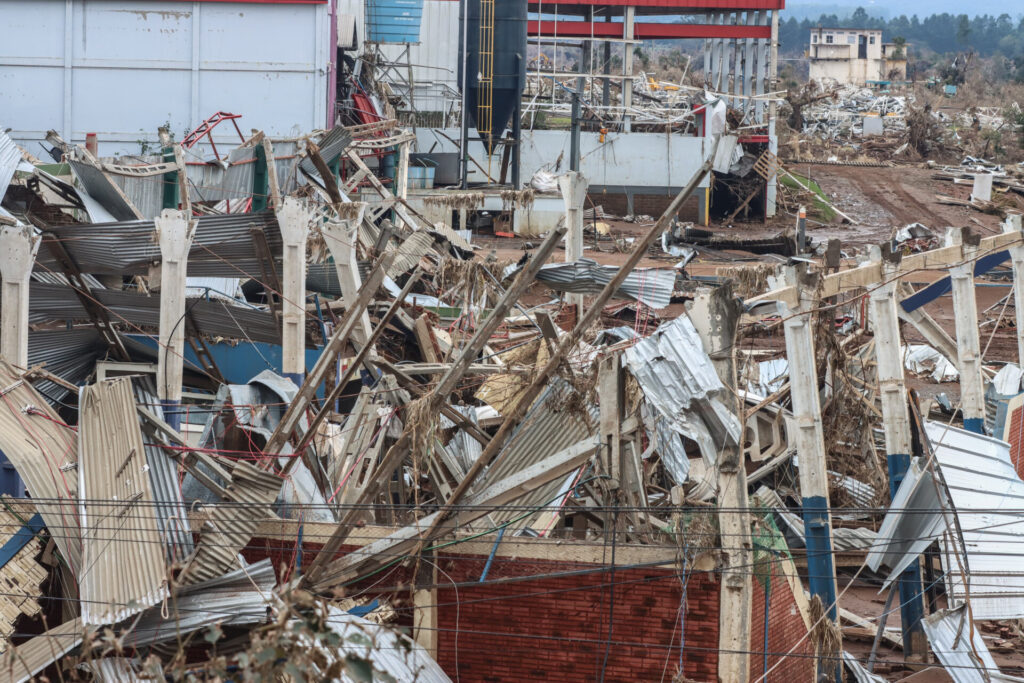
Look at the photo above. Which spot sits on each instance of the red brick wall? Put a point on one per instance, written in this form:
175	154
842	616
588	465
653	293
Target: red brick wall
649	204
555	628
785	628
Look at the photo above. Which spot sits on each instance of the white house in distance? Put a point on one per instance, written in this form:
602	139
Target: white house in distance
856	56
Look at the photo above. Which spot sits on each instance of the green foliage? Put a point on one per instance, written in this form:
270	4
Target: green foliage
987	35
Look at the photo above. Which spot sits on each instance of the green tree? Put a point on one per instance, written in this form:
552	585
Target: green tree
963	30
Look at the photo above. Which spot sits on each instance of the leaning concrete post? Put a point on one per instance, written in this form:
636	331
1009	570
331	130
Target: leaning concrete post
968	341
293	218
174	232
18	247
1013	224
341	237
574	191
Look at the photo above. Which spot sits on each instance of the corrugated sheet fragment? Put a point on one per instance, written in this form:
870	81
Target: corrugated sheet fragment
549	426
102	189
861	674
44	451
843	538
416	246
331	144
238	597
913	522
69	354
169	508
391	655
122	670
958	644
123	566
23	662
678	379
10	157
650	286
21	577
215	317
223	246
231	524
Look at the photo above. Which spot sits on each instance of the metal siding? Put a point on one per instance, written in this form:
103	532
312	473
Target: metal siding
266	61
123	569
45	453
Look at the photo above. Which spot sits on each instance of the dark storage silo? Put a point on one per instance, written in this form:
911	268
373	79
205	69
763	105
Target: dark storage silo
495	72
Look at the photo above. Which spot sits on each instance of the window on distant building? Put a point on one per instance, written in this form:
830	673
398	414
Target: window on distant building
814	38
871	40
851	39
828	38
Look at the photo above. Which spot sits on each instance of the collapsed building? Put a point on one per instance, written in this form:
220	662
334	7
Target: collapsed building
269	409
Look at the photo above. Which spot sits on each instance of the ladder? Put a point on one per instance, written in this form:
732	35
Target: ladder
485	82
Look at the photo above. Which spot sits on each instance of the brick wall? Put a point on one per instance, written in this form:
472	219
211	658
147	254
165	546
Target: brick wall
539	620
650	204
785	628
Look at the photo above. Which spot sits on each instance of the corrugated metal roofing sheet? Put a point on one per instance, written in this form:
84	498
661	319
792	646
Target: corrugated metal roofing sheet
102	190
678	379
988	497
25	661
169	507
548	427
238	597
10	157
123	568
223	246
416	246
958	645
216	317
392	655
650	286
69	354
232	523
44	451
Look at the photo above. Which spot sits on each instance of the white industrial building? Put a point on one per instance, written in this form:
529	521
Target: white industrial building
855	56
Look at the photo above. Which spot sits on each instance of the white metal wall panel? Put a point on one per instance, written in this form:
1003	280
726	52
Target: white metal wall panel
122	69
434	59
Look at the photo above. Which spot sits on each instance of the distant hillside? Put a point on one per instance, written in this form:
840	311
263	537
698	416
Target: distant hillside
801	9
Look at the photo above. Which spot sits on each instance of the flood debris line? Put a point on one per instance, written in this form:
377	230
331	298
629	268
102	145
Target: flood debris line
321	435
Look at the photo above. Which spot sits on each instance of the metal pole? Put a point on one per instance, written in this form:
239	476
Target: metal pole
464	146
801	230
574	140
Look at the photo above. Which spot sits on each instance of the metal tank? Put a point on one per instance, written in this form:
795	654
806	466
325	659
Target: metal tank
495	62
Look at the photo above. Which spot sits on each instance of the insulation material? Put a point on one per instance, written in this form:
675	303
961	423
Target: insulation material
123	567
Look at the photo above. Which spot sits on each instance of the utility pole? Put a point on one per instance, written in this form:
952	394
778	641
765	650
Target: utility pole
898	446
968	342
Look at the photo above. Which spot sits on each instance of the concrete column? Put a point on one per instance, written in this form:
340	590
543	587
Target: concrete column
18	247
896	421
574	191
174	233
293	217
341	237
1014	224
968	342
810	438
773	107
402	172
627	68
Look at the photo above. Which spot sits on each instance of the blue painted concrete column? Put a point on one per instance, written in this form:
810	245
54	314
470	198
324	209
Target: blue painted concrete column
911	594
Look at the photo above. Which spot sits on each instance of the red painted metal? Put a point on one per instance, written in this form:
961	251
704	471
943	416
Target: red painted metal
643	31
754	140
204	129
692	5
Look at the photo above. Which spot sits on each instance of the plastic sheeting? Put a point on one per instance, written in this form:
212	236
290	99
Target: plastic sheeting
923	360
